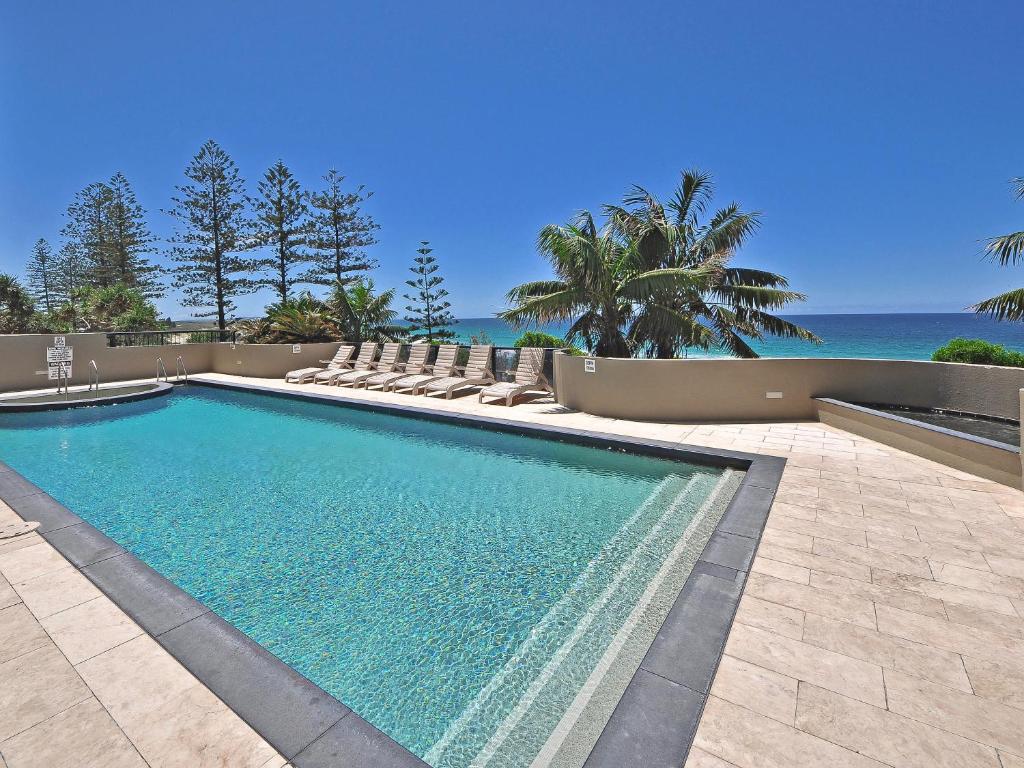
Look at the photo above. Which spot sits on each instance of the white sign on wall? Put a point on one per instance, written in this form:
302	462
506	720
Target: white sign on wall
57	357
590	365
296	348
59	341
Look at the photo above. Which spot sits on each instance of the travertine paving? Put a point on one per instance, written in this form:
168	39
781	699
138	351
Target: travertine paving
882	624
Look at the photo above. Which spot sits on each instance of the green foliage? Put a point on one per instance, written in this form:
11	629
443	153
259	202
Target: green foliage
42	276
1006	250
656	279
16	306
281	225
428	315
360	314
213	232
541	339
339	232
979	352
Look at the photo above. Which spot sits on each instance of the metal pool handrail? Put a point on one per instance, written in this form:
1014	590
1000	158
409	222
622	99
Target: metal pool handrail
179	368
94	374
160	368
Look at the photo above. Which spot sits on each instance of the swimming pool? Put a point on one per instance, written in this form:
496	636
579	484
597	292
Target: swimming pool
463	590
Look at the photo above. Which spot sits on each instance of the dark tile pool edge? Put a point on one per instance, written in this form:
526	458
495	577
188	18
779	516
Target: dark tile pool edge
653	724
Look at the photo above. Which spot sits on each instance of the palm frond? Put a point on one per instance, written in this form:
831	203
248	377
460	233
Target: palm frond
1006	249
1005	306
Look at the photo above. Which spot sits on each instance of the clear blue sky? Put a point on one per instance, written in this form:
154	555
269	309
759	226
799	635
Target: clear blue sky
876	138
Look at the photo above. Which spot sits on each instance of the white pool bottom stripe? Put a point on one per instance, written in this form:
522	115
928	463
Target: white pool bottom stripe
468	715
541	680
587	690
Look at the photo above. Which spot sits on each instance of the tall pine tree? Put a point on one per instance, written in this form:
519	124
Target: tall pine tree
42	277
212	235
88	226
339	233
428	317
70	270
130	239
282	227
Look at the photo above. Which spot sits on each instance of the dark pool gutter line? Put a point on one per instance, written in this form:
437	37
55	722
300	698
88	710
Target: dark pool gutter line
11	404
653	723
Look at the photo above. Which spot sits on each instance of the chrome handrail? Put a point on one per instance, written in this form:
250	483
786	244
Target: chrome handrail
179	368
62	375
160	368
94	374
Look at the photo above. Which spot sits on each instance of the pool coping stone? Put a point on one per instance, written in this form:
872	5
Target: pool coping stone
653	723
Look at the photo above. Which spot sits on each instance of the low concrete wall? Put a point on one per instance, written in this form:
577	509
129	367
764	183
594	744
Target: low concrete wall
979	457
268	360
738	390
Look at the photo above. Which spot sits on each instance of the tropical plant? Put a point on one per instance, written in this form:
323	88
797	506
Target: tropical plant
255	330
304	319
656	280
1006	250
429	316
979	352
547	340
15	306
361	315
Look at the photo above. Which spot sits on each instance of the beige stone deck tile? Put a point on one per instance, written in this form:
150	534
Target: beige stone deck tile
973	717
31	561
786	539
827	505
865	499
1002	681
1010	760
936	527
698	758
749	740
965	514
90	628
7	594
887	651
873	558
36	686
20	542
779	569
794	510
982	581
877	593
802	661
885	736
941	590
1006	566
975	617
761	690
934	552
81	736
56	591
869	525
844	607
938	633
771	616
818	530
810	561
19	632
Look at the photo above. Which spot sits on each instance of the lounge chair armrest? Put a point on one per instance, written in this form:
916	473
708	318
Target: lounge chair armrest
325	362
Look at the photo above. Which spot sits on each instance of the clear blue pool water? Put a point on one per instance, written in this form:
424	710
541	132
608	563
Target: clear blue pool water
454	586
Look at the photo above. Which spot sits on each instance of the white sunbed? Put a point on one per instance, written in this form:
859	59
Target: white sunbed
340	362
477	373
416	364
443	366
529	377
388	359
364	362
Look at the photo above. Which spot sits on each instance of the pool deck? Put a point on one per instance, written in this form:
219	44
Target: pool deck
882	623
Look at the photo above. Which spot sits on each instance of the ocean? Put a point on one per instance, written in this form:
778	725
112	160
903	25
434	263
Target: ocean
889	337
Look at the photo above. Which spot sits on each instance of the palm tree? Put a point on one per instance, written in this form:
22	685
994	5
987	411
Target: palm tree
303	319
1006	249
733	304
361	315
16	306
655	280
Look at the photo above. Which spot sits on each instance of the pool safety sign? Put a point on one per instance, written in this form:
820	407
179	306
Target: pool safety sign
590	365
59	356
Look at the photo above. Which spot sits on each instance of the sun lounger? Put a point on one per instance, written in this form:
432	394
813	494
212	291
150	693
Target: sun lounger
340	362
387	362
529	376
367	351
443	366
477	373
416	365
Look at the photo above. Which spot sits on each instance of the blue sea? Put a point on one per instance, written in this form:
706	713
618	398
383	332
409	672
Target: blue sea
891	337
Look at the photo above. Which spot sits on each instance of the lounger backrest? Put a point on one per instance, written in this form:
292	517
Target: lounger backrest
417	358
367	351
342	356
530	368
444	365
389	357
479	365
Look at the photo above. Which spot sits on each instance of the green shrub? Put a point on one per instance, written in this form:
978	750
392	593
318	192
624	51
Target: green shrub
979	352
541	339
